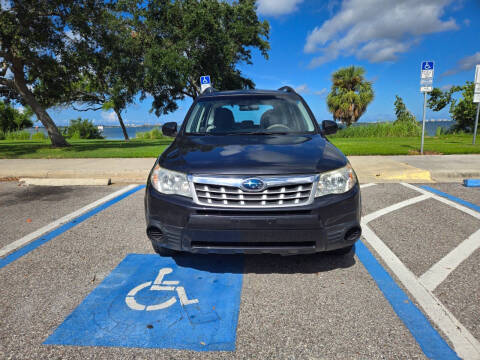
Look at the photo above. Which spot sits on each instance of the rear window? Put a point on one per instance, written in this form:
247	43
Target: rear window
249	115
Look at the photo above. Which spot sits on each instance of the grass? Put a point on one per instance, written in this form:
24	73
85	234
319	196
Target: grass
32	149
154	134
445	144
381	130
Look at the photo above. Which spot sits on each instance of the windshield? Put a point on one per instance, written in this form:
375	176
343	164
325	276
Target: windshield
248	115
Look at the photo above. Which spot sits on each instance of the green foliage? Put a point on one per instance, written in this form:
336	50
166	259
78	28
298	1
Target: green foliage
380	130
12	119
39	136
461	110
47	45
17	135
185	39
402	113
350	94
153	134
82	129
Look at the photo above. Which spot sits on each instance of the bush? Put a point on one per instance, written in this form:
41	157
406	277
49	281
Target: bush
39	136
17	135
82	129
380	130
2	135
12	119
153	134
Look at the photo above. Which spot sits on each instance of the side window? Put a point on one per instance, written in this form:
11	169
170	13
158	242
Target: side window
304	117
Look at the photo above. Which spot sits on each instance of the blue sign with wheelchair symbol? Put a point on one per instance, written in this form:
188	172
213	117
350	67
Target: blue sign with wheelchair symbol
205	80
427	65
148	301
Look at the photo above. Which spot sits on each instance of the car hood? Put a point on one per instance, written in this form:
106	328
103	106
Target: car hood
252	155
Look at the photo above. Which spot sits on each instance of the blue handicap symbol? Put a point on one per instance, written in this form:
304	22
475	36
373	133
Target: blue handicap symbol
147	301
205	79
427	65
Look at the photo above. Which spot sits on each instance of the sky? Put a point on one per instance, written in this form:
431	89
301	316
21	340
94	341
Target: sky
310	39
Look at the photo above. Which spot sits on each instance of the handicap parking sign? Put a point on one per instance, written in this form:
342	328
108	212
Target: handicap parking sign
427	65
153	302
205	80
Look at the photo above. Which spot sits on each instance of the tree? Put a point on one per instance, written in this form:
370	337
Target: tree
12	119
350	94
82	129
185	39
44	46
461	110
115	73
401	111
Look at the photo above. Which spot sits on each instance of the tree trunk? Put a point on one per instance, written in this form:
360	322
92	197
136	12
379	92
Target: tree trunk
120	120
21	87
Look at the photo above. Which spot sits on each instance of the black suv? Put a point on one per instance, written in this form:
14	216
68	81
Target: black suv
252	172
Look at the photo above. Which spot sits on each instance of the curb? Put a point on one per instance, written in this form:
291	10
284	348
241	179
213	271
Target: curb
65	182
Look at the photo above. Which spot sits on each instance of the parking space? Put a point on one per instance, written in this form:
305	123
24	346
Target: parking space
97	290
28	208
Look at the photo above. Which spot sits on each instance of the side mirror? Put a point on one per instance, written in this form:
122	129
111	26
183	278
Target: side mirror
169	129
329	127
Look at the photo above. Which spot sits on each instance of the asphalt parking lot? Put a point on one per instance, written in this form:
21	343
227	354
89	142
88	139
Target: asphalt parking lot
84	284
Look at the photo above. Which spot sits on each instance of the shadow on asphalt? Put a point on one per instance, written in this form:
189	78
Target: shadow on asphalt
266	264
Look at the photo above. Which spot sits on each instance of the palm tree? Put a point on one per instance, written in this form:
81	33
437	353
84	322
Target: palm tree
350	94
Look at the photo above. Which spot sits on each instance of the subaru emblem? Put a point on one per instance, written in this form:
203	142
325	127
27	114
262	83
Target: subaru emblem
253	185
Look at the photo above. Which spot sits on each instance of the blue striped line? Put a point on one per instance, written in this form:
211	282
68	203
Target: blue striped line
65	227
451	197
430	341
471	182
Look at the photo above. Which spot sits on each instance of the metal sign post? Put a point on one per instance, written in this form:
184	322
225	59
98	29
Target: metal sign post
476	99
426	85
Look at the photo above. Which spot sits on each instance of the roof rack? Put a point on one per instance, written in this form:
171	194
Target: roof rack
287	89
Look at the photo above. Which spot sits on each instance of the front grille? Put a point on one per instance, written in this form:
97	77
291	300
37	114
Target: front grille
273	196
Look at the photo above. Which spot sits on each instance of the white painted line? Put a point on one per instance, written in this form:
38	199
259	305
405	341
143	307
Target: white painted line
465	209
439	272
363	186
397	206
32	236
466	346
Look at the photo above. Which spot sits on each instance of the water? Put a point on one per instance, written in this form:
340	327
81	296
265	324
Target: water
115	132
431	126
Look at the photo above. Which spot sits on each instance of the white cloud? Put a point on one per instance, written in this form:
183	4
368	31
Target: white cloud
72	36
109	116
5	5
467	63
446	87
376	30
302	89
322	92
277	7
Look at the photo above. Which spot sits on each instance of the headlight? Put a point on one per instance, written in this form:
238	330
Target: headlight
336	181
170	182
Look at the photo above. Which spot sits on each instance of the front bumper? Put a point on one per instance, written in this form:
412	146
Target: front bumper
177	223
